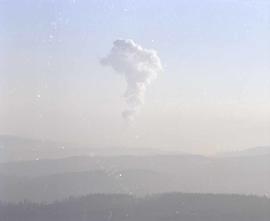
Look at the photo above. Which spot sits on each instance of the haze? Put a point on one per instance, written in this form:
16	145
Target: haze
213	94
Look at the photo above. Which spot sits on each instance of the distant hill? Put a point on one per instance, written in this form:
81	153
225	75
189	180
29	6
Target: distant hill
255	151
25	173
14	148
61	186
48	180
169	207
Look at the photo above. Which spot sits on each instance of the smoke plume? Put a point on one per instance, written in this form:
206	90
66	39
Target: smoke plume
139	66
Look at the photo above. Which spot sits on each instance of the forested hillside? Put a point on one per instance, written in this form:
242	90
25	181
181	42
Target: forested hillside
165	207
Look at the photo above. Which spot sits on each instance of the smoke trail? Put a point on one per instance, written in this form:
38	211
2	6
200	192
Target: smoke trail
139	66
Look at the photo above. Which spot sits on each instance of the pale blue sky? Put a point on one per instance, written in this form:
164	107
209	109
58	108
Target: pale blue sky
214	93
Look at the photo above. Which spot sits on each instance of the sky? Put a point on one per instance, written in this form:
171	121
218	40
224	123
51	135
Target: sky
213	94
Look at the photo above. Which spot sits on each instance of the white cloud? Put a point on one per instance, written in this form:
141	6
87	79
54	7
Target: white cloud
139	66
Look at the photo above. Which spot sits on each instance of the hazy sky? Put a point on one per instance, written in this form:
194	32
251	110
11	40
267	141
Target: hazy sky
214	92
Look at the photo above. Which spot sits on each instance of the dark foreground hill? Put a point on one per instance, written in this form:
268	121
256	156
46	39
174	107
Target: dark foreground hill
165	207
